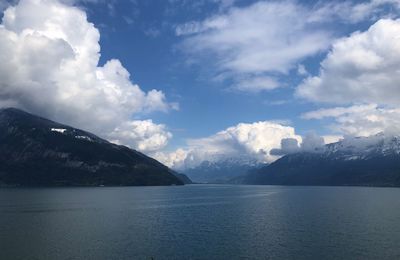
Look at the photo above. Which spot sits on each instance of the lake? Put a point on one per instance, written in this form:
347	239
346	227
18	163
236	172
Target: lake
200	222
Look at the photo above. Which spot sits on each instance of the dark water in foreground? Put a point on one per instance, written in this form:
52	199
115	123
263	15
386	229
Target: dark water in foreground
200	222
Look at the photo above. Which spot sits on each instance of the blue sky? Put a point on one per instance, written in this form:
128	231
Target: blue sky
156	61
216	68
142	34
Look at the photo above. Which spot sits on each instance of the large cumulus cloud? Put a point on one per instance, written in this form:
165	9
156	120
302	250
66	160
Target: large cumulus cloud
361	71
144	135
363	68
49	65
253	141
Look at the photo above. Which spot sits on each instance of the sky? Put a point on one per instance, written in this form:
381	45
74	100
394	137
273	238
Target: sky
186	81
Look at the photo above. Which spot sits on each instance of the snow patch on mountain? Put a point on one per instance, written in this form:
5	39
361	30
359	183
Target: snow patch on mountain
82	137
59	130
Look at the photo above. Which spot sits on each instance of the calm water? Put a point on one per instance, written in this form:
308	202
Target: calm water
200	222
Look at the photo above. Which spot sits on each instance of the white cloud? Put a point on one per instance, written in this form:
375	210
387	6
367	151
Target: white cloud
49	56
256	40
363	68
270	38
361	120
288	145
329	139
143	135
354	12
311	142
253	141
278	102
263	141
255	84
338	111
373	9
301	70
175	159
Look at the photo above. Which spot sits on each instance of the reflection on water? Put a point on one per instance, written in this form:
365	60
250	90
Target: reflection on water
200	222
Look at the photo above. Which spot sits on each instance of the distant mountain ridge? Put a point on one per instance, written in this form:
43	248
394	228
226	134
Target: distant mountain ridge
35	151
222	170
366	161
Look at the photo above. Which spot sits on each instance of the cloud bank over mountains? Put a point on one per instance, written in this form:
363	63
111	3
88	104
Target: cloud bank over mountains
311	142
261	141
49	65
253	140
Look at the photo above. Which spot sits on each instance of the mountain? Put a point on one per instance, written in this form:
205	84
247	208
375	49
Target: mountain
182	177
221	171
35	151
364	161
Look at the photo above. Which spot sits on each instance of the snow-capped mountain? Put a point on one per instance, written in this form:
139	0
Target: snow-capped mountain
373	161
222	170
353	148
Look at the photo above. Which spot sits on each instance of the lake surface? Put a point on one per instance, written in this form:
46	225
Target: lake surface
200	222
